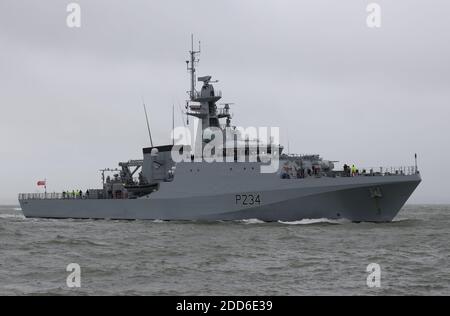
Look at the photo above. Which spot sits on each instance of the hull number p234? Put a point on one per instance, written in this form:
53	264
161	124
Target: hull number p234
248	199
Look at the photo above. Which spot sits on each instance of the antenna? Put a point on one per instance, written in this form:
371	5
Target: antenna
289	149
191	67
415	162
148	125
173	124
181	114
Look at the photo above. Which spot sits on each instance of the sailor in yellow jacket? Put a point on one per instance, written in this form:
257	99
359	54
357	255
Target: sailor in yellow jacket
353	170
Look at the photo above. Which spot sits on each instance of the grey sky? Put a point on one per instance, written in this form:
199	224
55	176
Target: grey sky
70	98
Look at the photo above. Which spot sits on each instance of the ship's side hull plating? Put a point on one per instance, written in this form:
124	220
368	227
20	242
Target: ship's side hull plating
363	198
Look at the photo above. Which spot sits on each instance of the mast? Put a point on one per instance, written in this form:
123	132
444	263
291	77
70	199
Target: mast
191	67
202	104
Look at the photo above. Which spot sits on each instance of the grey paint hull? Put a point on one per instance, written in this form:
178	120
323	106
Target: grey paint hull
349	198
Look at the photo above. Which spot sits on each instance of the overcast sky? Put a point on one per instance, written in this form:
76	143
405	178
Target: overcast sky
70	98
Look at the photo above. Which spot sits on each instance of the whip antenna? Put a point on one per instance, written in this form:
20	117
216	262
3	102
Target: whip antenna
148	125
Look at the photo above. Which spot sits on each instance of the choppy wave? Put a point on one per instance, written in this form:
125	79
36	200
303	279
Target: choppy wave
226	257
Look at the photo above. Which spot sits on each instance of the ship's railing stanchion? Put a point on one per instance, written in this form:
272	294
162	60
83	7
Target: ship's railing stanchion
40	196
382	171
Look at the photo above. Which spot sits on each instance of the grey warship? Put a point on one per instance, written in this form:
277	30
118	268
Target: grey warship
160	187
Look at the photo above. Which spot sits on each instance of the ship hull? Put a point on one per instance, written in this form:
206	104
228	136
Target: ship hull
363	198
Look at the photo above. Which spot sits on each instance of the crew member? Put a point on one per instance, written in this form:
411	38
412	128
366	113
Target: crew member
353	170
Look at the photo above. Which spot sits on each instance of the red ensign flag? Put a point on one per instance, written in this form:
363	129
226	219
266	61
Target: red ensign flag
41	183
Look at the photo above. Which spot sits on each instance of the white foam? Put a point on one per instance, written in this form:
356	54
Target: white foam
309	221
12	216
252	221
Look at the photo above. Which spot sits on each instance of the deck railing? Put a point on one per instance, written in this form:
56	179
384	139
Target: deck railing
51	196
389	171
40	196
380	171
